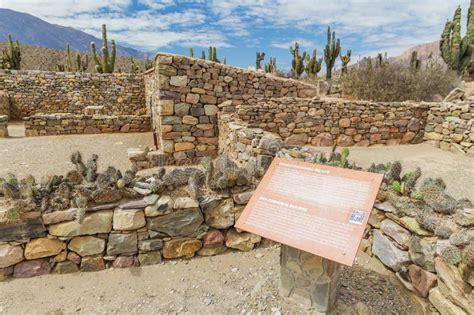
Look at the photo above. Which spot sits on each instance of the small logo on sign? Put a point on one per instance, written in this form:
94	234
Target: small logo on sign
357	217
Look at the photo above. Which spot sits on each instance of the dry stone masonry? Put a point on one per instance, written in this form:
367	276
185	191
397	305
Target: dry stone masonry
187	96
60	124
3	126
451	126
34	92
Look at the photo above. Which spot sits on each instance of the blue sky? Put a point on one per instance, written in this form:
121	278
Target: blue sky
239	28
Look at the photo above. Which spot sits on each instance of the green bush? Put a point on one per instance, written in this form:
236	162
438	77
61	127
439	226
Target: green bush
392	82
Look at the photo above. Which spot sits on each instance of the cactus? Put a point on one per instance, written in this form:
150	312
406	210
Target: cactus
369	63
225	60
133	66
434	196
107	62
191	52
451	254
394	172
81	66
345	61
409	180
313	65
396	186
271	67
203	55
331	52
258	59
456	51
67	67
468	255
209	54
344	155
297	63
148	63
415	63
11	56
381	60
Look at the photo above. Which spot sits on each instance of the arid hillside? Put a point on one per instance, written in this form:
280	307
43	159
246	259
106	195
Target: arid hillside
47	59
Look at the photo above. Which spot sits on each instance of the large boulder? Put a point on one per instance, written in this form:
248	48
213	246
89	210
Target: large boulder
95	223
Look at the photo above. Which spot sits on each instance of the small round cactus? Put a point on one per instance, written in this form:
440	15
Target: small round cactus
451	254
468	256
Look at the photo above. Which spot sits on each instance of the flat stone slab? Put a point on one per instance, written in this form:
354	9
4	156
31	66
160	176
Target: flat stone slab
22	231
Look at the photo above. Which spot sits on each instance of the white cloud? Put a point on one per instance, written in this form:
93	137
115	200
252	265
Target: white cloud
304	43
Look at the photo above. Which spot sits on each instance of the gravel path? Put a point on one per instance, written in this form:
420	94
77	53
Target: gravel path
233	283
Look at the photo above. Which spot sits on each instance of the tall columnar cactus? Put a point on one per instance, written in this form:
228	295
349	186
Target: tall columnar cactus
68	65
209	54
212	54
203	55
11	56
313	64
191	52
415	63
331	52
345	61
271	67
225	60
370	65
381	60
458	52
148	63
258	60
297	63
133	66
107	62
81	66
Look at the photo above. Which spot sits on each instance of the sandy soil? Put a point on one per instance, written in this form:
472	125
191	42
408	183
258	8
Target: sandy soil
50	155
232	283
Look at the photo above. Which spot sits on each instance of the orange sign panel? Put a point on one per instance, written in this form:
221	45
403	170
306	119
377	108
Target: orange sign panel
319	209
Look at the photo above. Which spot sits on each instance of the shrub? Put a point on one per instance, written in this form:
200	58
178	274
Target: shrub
393	82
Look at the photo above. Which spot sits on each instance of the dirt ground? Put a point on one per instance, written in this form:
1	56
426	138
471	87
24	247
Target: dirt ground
50	155
232	283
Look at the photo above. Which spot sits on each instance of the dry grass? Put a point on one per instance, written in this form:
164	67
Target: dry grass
397	83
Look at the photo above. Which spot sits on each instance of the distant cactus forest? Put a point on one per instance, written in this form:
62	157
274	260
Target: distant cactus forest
361	80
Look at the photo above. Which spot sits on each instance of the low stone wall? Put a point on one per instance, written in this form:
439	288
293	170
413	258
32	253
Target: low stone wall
64	124
451	126
324	122
424	236
88	221
3	126
4	104
33	92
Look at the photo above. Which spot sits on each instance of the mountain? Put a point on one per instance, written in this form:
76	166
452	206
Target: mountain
30	30
424	52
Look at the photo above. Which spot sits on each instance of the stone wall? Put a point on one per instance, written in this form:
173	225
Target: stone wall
424	236
323	122
64	124
33	92
188	92
451	126
88	221
3	126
